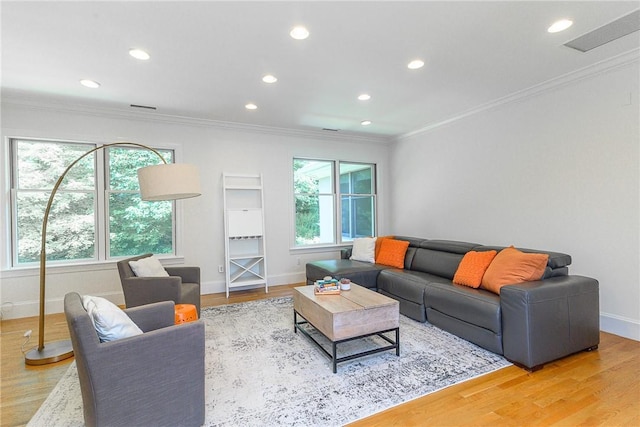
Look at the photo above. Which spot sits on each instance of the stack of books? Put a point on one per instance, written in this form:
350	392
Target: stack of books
327	287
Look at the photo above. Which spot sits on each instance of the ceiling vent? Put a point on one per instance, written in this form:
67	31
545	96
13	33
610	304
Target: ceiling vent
145	107
609	32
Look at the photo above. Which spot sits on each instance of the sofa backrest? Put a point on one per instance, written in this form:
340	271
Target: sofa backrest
442	257
414	243
558	264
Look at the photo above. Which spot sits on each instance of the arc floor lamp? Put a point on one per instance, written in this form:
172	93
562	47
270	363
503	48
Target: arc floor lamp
165	181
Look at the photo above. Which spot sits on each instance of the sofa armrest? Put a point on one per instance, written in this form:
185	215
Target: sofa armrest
548	319
120	369
345	253
153	316
188	274
143	290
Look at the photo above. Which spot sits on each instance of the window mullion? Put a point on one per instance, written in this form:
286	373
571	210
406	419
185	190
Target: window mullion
14	226
337	196
14	202
101	207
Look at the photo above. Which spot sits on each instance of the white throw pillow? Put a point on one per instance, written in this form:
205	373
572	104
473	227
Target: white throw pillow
364	249
148	267
110	322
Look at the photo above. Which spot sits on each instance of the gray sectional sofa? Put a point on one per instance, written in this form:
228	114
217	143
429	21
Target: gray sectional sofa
530	323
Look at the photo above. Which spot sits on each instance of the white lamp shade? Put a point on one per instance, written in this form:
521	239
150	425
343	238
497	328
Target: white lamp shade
171	181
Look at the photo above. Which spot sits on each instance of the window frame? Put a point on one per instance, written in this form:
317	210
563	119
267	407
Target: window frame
101	193
337	195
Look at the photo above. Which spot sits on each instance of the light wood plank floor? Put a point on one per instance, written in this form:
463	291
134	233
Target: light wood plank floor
600	388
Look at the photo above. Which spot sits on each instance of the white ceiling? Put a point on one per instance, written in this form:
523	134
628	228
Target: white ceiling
208	57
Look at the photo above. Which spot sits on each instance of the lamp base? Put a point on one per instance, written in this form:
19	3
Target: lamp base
51	353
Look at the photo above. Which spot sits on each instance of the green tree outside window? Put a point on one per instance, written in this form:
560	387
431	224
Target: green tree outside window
132	226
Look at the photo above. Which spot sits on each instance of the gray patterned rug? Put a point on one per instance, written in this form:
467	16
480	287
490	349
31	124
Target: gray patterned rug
259	373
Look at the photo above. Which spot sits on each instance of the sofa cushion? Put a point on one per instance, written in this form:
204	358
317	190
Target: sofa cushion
406	284
474	306
472	268
557	260
392	253
379	241
512	266
452	246
148	267
110	322
364	249
407	287
435	262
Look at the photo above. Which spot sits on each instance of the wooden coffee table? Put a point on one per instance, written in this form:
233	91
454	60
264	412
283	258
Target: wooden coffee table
354	314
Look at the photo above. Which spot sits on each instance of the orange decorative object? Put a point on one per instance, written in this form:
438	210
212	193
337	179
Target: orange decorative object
186	313
392	253
512	266
472	268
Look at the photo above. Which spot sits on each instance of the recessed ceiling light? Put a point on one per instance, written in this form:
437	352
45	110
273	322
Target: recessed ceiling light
365	122
251	106
299	33
415	64
364	97
139	54
560	25
269	79
90	83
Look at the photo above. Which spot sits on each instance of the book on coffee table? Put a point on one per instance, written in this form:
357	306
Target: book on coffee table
326	287
327	290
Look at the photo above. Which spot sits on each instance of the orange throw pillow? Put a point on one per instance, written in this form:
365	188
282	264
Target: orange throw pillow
379	243
472	268
392	253
512	266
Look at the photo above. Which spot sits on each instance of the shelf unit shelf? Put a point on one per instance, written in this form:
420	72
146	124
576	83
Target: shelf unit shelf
246	261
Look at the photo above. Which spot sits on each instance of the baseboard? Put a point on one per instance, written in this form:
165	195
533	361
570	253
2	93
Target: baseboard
54	305
618	325
219	286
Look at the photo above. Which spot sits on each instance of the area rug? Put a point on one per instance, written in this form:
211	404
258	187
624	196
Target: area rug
260	373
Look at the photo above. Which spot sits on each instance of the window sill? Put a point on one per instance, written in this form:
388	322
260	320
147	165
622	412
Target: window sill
318	249
55	268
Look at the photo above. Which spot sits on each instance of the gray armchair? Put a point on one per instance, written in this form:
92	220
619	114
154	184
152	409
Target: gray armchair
153	379
182	286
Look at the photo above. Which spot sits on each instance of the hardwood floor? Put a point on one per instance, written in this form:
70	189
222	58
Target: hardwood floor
599	388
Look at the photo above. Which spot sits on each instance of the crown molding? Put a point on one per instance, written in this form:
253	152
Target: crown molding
33	102
602	67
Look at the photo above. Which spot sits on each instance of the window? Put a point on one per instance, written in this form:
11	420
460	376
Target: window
357	200
91	218
333	195
136	226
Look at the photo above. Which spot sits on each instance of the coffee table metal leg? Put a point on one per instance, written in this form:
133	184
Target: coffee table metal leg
333	355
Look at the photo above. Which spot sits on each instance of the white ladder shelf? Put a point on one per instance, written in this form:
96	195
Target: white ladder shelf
246	261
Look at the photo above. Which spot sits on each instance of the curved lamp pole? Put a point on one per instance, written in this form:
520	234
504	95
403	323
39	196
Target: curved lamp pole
167	181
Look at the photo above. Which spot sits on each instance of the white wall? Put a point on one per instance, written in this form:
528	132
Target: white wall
211	146
557	170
